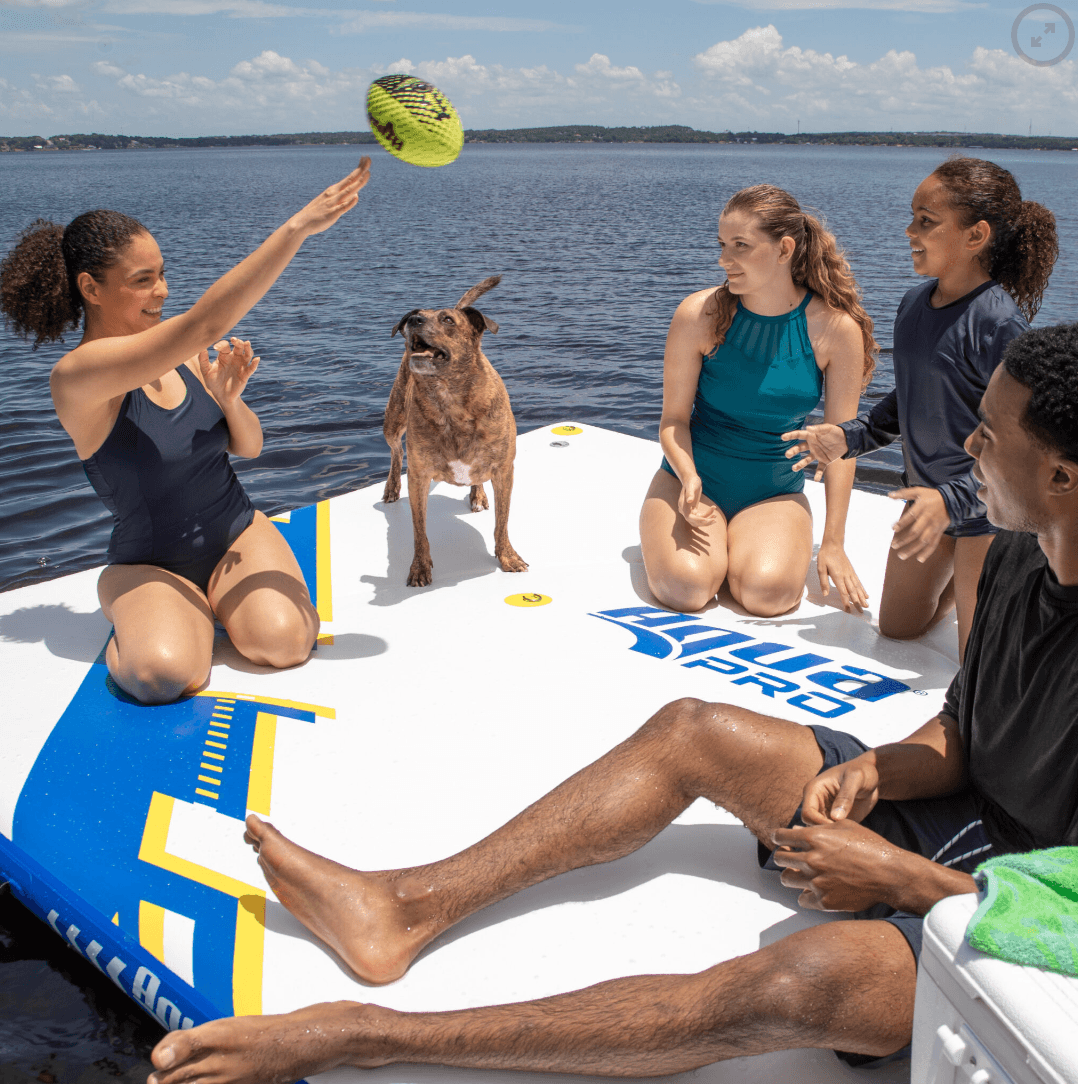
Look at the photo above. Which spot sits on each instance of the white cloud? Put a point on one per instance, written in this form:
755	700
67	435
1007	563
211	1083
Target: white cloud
250	9
103	67
764	82
933	7
360	22
272	92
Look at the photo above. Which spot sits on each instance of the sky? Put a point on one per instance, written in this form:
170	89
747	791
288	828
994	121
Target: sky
233	67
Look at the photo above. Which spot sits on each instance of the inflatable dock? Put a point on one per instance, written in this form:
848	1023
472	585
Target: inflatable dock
425	718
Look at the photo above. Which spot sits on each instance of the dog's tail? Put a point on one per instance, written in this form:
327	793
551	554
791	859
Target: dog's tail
477	292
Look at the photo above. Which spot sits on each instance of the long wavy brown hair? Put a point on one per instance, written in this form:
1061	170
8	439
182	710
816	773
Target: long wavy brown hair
818	263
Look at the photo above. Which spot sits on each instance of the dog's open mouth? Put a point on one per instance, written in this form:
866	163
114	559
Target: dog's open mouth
422	349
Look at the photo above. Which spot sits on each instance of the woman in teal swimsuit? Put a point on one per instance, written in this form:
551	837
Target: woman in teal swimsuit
743	364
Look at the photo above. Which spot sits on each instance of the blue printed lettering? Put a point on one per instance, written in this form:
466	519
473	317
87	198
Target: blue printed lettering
837	707
710	643
797	662
753	652
869	685
768	684
720	665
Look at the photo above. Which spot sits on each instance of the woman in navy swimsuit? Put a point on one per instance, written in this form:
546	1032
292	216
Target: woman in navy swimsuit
153	420
987	255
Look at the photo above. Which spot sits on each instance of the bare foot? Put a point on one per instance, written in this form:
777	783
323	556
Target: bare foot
266	1049
375	925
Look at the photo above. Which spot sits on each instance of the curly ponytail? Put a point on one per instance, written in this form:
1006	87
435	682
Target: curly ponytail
1023	247
818	264
39	292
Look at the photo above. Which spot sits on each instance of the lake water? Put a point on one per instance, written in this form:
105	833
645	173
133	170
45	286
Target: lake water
597	244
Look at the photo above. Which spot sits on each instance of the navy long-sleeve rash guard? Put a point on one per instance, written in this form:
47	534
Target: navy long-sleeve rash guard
943	360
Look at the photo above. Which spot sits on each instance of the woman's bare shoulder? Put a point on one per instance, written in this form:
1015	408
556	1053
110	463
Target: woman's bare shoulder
700	305
827	324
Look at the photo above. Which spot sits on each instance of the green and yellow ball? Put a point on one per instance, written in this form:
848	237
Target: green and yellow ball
414	120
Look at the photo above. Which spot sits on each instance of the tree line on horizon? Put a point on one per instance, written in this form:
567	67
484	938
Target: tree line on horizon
580	133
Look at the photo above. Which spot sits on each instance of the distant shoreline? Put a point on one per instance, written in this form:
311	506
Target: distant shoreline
580	133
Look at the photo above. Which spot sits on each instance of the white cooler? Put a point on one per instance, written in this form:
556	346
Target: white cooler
979	1020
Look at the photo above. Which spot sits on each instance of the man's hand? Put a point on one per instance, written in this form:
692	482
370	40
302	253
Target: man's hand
847	791
691	504
819	444
832	563
840	866
922	523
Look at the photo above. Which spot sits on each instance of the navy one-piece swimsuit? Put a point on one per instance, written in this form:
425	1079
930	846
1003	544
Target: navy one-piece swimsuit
165	477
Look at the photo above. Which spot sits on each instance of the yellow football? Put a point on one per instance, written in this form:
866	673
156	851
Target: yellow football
414	120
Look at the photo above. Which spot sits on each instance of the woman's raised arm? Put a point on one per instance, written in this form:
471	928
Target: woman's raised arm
101	369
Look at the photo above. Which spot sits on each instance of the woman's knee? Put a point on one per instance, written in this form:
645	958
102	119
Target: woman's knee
767	593
281	637
685	590
157	674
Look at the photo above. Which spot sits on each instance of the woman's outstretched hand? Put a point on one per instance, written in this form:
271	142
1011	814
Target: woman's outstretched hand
819	444
329	205
691	505
833	564
227	375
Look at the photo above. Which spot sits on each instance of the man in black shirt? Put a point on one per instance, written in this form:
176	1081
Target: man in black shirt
885	832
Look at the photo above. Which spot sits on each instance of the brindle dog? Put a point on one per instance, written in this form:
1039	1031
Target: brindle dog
460	426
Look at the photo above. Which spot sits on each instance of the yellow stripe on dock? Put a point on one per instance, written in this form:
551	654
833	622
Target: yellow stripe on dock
151	929
261	779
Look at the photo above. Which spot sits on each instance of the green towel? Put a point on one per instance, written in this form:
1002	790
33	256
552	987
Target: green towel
1029	913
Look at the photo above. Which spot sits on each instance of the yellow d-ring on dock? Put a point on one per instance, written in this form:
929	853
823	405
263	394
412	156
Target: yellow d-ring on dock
526	600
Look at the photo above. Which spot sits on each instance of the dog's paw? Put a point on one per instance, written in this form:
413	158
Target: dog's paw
392	493
478	499
421	573
511	561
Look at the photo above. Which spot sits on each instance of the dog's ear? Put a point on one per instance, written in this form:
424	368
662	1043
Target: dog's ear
477	292
480	322
399	325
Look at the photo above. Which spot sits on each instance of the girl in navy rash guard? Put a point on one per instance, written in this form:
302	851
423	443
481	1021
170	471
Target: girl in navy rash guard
987	254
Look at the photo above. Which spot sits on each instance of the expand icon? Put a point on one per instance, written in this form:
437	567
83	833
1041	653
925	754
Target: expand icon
1042	35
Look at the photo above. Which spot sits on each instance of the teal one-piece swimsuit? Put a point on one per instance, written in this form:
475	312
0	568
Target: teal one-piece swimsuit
760	383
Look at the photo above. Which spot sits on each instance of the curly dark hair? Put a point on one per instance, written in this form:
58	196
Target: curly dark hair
39	294
1023	247
1045	360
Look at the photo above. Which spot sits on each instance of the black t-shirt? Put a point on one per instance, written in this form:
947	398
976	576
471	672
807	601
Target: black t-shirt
1016	699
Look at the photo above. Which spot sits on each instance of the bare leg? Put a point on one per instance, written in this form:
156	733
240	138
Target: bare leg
770	546
752	765
163	632
685	565
916	595
845	985
969	555
258	592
